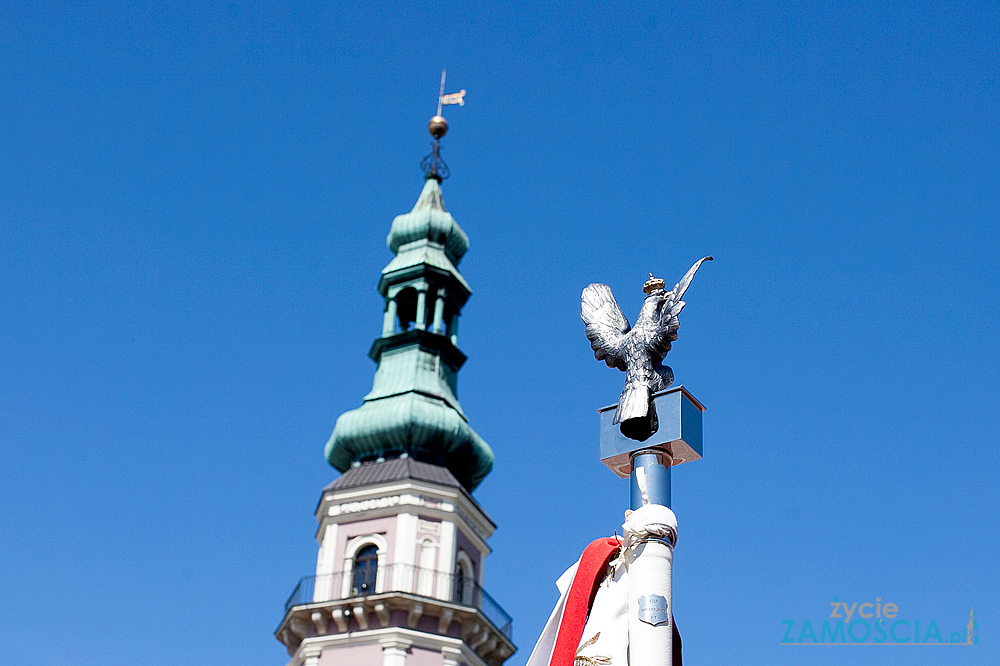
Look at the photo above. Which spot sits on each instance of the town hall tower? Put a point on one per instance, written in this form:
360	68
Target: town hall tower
402	542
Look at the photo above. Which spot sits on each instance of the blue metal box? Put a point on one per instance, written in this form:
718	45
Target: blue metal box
679	434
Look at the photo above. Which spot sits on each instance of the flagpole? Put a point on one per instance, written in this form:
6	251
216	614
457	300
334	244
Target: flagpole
650	529
441	91
650	534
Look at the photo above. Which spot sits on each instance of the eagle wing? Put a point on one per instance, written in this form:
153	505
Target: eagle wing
666	329
606	325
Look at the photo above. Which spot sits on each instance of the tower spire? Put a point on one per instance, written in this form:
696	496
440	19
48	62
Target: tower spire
413	407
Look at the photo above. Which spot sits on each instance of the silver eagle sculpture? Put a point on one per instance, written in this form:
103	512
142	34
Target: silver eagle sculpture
637	350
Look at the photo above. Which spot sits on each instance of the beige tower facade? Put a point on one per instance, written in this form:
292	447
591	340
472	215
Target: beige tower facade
399	575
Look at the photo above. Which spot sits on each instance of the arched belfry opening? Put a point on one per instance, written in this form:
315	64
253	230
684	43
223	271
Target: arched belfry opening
406	309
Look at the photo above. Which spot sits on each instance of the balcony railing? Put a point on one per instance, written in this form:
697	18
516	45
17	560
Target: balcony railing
402	578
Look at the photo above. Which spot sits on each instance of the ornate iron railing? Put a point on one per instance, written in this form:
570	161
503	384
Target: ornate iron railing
402	578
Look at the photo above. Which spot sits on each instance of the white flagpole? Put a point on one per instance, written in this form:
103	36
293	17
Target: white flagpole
649	555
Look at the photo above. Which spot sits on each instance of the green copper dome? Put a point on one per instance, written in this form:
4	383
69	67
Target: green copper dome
414	424
429	221
413	406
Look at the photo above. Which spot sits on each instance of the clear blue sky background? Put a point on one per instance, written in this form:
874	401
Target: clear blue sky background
193	208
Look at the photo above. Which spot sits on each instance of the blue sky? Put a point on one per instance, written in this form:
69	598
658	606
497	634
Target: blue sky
193	210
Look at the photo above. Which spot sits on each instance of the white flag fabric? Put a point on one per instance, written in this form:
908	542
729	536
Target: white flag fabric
453	98
605	631
608	621
542	654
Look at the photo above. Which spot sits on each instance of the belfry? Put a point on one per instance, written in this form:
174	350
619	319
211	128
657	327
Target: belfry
402	542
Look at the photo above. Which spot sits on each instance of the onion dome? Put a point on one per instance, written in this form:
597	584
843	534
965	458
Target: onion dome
431	222
414	425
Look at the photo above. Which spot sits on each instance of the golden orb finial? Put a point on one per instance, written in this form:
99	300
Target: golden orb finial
438	127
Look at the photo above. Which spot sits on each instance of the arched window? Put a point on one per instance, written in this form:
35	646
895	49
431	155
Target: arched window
465	580
365	571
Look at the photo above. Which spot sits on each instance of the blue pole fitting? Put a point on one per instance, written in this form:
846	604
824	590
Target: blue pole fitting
654	466
676	441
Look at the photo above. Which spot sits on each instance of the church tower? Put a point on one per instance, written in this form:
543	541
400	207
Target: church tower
402	542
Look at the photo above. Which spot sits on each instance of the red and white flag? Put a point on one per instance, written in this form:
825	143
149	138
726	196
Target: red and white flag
589	625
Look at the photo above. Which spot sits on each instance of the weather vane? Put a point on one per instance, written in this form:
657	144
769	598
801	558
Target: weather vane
433	165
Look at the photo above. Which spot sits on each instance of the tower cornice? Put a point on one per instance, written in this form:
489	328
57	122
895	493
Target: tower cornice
424	259
426	499
427	340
